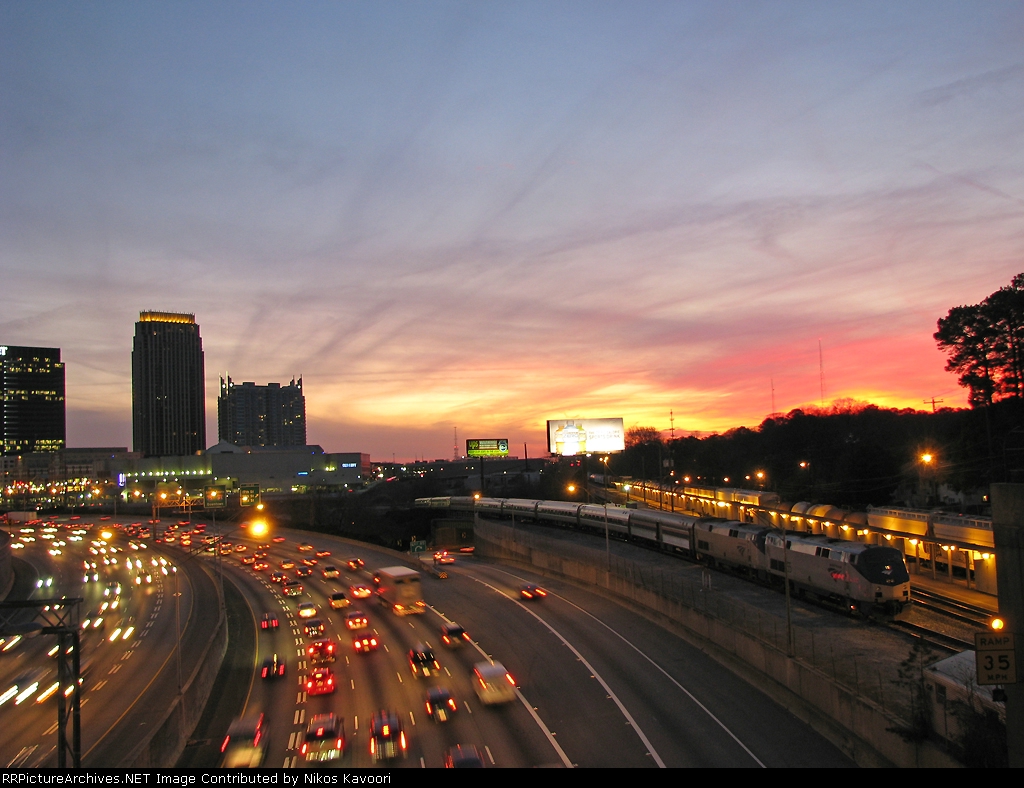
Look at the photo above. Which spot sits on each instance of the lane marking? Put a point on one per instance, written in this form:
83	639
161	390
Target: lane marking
689	694
615	698
488	749
532	711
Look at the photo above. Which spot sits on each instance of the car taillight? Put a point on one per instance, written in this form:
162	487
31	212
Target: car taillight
373	746
304	748
509	679
403	740
224	746
309	685
451	702
341	744
445	639
428	709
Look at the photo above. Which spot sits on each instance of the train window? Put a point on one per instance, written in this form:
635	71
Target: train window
733	533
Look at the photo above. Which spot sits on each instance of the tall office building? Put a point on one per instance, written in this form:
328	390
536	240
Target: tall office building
271	415
33	417
168	385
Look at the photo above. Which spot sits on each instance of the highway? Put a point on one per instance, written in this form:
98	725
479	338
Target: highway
129	662
596	685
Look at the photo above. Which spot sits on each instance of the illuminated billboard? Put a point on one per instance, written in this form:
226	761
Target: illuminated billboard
487	447
568	437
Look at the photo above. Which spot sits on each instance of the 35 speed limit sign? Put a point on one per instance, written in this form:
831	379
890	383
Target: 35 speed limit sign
995	658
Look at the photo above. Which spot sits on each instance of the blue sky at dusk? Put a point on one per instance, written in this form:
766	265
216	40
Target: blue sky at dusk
485	215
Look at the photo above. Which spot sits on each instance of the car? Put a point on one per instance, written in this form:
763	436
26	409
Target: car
322	650
278	539
320	681
310	561
260	566
453	635
422	662
440	704
360	591
307	610
292	589
323	553
330	572
303	571
247	560
314	628
104	516
443	557
356	619
240	548
245	744
324	739
463	756
387	737
287	564
493	684
278	577
355	564
260	554
532	592
272	668
269	621
338	600
365	644
305	547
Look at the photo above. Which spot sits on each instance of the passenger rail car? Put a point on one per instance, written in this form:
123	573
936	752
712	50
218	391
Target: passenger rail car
861	577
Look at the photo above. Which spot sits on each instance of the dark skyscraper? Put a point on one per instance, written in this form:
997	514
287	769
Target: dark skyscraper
168	385
271	415
33	416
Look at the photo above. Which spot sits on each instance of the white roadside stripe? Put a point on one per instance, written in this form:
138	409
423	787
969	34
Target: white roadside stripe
689	694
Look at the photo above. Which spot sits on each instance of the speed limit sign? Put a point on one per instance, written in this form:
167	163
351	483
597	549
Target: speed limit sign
995	658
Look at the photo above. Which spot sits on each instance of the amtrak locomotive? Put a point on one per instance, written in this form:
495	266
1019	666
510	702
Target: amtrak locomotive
863	578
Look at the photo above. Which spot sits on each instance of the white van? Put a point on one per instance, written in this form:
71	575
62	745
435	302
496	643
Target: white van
493	684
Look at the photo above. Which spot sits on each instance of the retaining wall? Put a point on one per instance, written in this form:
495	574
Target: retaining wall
166	740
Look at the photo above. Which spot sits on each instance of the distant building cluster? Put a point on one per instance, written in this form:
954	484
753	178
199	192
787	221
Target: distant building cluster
261	429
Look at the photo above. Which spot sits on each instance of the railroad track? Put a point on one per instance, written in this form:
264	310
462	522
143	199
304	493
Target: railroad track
953	645
952	608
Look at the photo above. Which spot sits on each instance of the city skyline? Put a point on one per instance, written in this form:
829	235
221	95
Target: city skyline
449	216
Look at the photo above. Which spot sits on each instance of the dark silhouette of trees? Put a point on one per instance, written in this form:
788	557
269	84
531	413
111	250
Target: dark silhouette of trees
985	344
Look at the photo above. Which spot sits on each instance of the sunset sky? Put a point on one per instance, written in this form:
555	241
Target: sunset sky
484	215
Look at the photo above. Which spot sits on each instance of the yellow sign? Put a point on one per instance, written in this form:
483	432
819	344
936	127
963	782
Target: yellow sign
995	658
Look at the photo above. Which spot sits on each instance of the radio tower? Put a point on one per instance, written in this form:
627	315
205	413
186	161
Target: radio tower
821	373
672	422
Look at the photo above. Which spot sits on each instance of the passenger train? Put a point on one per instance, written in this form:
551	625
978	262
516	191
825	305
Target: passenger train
863	578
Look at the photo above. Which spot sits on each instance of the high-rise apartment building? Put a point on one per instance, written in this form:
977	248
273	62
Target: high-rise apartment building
33	416
168	385
271	415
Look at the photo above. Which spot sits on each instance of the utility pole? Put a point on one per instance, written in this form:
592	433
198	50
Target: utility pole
934	402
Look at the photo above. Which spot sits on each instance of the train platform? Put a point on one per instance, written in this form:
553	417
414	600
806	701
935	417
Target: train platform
957	589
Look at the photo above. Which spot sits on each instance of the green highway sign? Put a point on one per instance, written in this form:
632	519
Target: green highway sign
248	494
417	547
215	497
